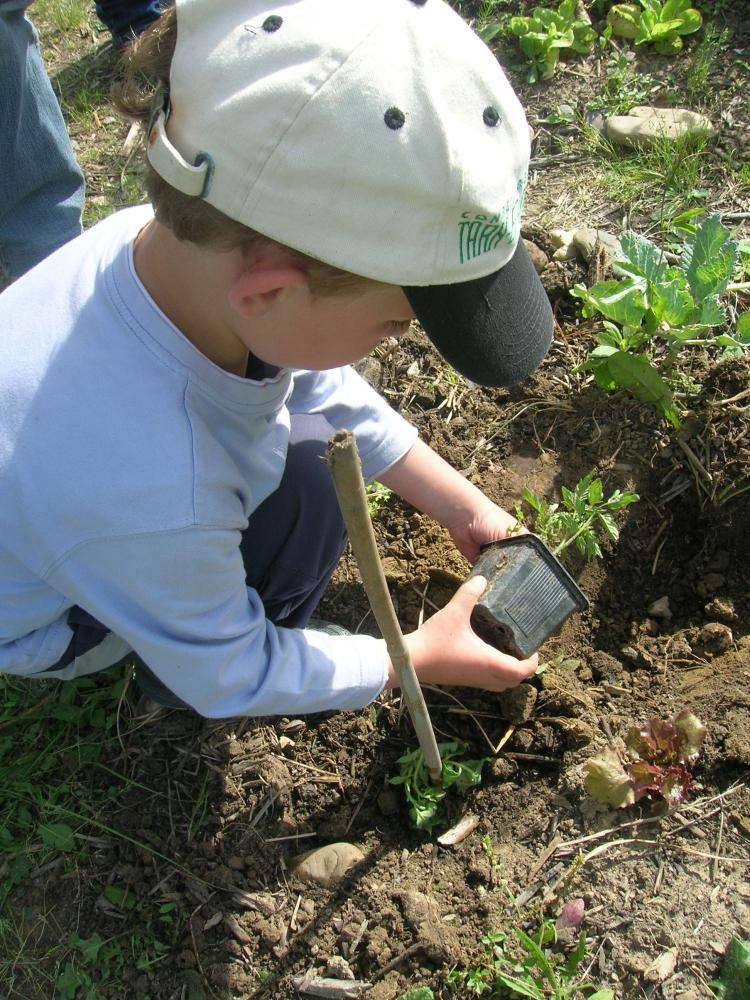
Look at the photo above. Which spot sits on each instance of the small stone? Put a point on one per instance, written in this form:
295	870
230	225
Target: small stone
630	654
662	967
327	865
721	608
645	126
688	995
566	252
236	863
661	610
715	637
338	968
560	237
588	240
596	120
538	257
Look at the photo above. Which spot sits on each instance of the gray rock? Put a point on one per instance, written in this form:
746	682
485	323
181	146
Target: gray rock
327	865
645	126
587	241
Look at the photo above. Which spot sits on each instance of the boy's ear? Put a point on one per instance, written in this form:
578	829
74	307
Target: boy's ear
256	288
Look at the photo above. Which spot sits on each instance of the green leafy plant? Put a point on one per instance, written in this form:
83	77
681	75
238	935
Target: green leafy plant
652	22
378	496
583	511
540	972
542	36
662	754
652	300
734	982
422	795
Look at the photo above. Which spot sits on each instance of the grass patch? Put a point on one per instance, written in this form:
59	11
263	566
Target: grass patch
61	798
65	15
661	181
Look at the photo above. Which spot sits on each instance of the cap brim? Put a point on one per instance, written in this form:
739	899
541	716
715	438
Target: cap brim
494	330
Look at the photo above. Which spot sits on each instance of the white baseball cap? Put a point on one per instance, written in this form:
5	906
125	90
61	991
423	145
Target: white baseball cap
379	136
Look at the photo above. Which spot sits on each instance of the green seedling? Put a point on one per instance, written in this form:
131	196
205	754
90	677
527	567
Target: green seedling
539	972
734	982
542	36
377	497
654	301
422	795
662	753
652	22
582	513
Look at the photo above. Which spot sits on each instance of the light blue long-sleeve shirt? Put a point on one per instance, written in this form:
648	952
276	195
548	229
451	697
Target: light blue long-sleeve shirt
129	466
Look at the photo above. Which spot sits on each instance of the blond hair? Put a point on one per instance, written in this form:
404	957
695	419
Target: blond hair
146	67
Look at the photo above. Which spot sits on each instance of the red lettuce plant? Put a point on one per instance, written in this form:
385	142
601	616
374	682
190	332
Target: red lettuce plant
662	751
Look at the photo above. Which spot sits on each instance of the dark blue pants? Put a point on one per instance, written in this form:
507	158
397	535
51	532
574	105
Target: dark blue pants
127	18
291	547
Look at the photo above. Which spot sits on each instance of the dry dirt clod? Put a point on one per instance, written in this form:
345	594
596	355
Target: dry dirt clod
517	705
715	637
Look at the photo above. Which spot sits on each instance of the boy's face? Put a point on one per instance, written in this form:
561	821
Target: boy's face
301	331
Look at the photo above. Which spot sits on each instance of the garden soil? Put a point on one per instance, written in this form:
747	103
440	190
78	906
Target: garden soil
239	800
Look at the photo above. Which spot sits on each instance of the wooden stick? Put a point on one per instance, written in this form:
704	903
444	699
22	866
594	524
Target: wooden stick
343	460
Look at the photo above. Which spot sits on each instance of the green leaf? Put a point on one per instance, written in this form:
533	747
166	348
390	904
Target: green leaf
635	373
671	301
735	972
708	259
607	780
58	836
120	896
422	993
621	301
519	986
639	256
538	955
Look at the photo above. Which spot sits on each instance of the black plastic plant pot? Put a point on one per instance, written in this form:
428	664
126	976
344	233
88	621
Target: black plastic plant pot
528	596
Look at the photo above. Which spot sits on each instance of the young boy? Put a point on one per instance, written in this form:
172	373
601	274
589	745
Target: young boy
321	172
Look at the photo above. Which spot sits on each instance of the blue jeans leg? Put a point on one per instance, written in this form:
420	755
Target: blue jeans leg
41	185
125	18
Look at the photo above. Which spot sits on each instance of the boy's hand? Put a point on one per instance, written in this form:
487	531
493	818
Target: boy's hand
489	524
446	650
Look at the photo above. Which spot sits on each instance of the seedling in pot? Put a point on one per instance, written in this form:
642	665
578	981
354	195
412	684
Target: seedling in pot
663	752
423	795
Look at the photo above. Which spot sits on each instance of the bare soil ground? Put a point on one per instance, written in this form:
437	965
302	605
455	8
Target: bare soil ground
213	815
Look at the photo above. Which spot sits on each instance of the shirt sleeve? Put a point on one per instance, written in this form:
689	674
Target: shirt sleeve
179	599
349	402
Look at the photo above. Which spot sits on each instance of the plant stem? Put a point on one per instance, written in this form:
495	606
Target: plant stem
343	461
569	541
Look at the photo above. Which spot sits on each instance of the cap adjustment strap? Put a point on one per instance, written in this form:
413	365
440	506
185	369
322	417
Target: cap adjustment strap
191	178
